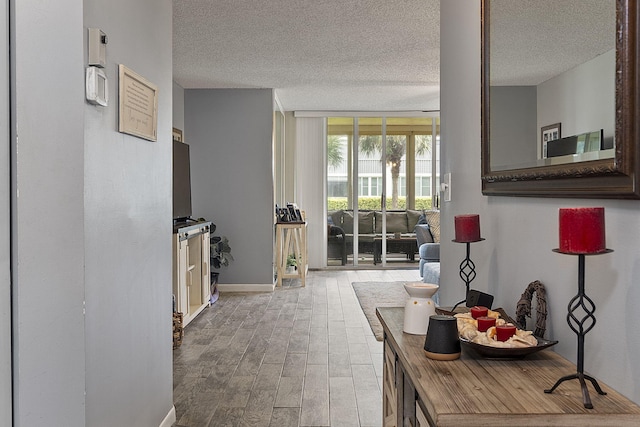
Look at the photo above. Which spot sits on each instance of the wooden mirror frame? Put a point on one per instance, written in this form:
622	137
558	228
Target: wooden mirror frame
615	178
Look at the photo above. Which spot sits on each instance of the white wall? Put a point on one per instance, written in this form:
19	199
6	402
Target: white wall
230	138
310	180
90	222
290	151
520	232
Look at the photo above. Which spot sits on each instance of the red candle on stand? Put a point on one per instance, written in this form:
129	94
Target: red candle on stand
582	230
467	227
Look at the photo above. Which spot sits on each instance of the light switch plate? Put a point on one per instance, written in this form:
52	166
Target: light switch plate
446	187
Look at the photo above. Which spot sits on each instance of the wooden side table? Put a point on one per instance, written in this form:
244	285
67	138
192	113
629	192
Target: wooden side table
291	238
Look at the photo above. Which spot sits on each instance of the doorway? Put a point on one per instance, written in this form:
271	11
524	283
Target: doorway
383	171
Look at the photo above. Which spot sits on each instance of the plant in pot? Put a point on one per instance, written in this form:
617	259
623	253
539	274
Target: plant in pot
220	256
292	263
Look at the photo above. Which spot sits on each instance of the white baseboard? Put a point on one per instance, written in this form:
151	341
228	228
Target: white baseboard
253	287
170	419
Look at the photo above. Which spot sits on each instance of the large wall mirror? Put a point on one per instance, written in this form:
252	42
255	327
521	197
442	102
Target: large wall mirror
559	95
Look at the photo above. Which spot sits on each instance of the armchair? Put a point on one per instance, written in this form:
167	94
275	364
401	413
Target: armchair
337	243
429	251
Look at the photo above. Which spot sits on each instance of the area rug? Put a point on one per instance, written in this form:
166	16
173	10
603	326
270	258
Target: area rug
379	294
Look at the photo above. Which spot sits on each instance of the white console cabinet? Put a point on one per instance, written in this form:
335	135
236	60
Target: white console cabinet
191	269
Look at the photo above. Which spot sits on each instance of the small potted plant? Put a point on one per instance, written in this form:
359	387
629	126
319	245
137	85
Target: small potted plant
220	252
220	256
292	263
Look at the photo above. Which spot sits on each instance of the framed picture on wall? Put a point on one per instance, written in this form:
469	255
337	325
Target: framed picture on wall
177	135
138	105
549	133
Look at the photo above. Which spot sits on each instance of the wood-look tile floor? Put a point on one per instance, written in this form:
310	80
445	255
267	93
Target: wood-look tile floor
293	357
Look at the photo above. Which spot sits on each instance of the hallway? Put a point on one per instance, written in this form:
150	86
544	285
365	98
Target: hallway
294	357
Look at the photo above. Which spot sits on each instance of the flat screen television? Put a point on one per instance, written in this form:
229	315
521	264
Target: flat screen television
576	144
181	182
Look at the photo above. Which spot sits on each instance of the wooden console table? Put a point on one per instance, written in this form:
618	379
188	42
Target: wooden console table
291	238
470	391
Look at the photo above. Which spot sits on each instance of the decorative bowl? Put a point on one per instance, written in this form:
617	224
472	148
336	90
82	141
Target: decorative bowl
500	352
505	353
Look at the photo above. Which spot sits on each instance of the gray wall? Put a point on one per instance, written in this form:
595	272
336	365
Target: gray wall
230	136
520	232
92	223
128	207
5	250
513	130
48	216
178	108
574	100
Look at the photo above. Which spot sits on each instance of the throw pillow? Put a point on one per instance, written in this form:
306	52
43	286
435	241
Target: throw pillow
396	222
423	234
365	222
412	218
433	218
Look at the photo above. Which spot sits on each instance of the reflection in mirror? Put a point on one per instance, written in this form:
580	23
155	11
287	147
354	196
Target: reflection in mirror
569	103
552	65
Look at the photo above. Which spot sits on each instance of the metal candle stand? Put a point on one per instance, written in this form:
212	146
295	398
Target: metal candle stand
581	300
467	270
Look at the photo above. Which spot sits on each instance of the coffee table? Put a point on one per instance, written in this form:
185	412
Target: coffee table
403	244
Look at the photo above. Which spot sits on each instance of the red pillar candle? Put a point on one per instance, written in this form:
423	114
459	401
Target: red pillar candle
467	227
485	323
478	311
582	230
504	332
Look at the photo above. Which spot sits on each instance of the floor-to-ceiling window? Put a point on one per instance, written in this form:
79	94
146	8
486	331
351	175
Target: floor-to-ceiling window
371	159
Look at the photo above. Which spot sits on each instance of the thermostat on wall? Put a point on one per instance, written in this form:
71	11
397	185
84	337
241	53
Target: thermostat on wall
97	90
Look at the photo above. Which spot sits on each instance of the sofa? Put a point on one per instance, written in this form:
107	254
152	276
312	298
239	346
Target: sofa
402	223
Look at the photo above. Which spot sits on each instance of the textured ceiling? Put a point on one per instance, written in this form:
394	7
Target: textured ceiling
367	55
532	41
370	55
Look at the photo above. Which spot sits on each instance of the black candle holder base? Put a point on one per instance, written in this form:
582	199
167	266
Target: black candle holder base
467	271
581	326
580	376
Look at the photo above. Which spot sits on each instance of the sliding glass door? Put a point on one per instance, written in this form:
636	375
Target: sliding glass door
370	175
382	171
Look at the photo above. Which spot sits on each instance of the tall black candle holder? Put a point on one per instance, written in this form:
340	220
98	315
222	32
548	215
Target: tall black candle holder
467	270
581	327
